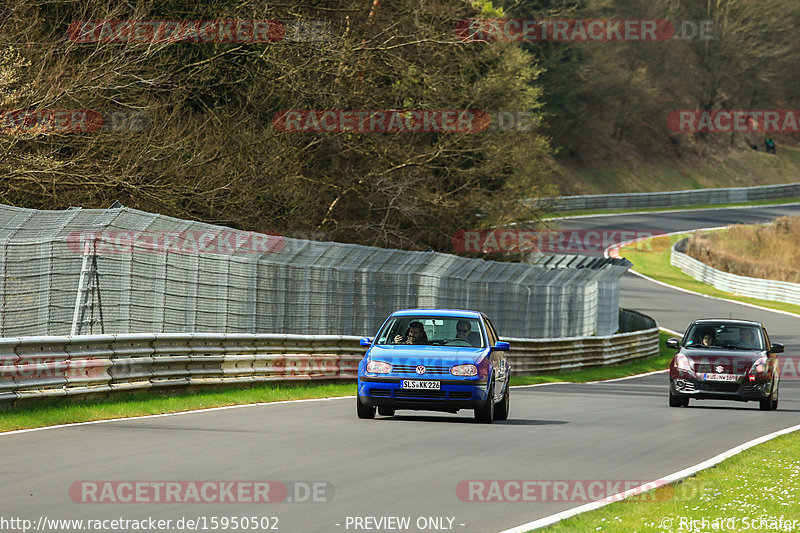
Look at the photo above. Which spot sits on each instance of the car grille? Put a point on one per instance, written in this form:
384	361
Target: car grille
707	368
419	393
412	369
381	393
460	395
717	387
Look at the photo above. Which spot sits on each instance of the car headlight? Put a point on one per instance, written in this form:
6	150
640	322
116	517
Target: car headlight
464	370
682	362
379	367
759	366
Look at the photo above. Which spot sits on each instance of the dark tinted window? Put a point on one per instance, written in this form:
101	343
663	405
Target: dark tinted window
724	335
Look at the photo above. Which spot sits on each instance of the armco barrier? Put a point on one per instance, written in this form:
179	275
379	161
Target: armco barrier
638	339
40	367
671	198
763	289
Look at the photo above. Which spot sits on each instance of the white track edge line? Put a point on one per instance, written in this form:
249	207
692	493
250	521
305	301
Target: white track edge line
677	476
177	413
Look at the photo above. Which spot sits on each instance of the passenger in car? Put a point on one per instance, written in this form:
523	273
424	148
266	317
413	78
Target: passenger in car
708	339
415	335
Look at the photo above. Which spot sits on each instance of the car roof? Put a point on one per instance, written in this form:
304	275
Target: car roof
455	313
732	321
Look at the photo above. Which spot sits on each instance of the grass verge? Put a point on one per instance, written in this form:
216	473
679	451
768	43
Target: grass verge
58	411
751	491
651	258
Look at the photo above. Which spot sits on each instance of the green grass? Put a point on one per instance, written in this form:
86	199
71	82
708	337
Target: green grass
763	481
59	411
566	214
651	258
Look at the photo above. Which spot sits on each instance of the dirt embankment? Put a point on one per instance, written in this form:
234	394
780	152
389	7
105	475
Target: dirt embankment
770	252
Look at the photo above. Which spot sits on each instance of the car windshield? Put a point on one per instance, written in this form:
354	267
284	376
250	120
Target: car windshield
432	330
721	335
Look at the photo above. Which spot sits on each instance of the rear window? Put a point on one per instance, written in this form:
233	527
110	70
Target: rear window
450	331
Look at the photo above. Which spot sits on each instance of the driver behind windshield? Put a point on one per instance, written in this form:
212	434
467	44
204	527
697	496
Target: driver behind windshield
464	331
746	338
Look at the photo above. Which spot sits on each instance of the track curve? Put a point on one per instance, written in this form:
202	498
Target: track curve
410	465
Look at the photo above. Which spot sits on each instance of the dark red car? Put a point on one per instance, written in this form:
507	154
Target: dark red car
725	359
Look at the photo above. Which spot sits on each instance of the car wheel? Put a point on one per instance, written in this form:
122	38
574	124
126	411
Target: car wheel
677	401
385	411
485	414
501	409
769	403
775	401
364	411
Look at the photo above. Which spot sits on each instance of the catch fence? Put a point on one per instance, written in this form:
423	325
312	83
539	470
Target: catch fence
148	273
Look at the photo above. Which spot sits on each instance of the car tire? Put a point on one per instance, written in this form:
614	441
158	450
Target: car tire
364	411
501	409
770	403
677	401
485	414
385	411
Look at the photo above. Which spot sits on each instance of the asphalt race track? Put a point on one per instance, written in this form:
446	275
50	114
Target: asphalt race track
408	466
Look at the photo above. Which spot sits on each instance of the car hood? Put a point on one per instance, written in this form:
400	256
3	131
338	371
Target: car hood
426	354
721	353
721	360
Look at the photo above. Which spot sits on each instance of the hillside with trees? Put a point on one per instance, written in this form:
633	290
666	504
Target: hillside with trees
189	128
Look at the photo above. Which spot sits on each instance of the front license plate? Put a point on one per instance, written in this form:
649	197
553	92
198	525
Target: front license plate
720	377
416	384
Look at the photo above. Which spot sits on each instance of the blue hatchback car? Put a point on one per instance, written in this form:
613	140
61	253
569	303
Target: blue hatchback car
435	360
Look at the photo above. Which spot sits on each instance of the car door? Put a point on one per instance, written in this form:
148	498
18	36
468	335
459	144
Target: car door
772	358
499	361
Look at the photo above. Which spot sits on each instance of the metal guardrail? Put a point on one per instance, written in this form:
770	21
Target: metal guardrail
638	340
42	367
763	289
671	198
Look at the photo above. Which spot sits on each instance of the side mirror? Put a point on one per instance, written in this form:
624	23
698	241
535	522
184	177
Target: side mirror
365	341
673	343
501	346
776	347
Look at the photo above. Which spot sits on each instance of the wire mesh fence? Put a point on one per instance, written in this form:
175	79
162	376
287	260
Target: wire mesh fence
160	274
